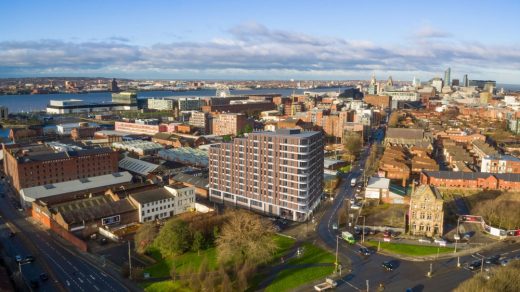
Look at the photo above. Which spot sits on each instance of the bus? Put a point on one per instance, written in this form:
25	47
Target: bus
348	237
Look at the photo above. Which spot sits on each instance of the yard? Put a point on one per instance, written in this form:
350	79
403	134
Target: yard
409	249
385	215
184	262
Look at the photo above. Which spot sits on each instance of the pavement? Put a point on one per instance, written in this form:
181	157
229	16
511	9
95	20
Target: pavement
68	268
367	270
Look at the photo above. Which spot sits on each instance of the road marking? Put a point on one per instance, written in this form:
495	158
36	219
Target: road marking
79	279
95	287
68	283
348	283
92	277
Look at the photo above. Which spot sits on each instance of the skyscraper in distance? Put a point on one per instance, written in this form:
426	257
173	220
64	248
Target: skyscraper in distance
465	81
447	77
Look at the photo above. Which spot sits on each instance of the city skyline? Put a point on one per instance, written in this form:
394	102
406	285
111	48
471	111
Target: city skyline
235	40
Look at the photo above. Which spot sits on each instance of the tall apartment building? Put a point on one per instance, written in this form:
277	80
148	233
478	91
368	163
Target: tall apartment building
4	113
500	164
230	124
201	121
35	165
277	173
160	104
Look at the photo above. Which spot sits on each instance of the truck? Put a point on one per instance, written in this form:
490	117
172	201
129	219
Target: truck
348	237
353	182
328	284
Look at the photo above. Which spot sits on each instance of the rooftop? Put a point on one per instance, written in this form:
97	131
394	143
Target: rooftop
137	166
84	184
405	133
378	183
154	195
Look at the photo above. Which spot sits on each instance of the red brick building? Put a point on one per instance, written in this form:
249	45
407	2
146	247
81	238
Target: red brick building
472	180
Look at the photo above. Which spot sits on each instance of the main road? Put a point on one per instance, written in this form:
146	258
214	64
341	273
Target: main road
69	270
408	274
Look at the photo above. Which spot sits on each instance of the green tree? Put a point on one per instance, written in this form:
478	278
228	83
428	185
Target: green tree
246	236
145	236
174	238
198	242
247	129
226	138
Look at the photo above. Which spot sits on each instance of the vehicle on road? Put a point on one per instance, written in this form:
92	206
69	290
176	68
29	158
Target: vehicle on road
355	206
348	237
29	259
424	240
353	182
388	266
328	284
364	251
11	234
492	260
44	277
334	226
505	262
475	265
18	258
440	241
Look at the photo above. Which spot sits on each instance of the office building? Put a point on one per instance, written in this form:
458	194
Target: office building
36	165
189	103
125	97
437	84
277	173
230	124
447	77
140	128
465	81
4	113
165	202
201	121
426	215
483	84
72	106
161	104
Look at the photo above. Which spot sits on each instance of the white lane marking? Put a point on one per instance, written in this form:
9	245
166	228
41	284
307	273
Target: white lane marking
348	283
95	287
79	279
68	283
92	277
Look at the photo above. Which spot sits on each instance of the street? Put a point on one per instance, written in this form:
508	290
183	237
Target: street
367	270
67	269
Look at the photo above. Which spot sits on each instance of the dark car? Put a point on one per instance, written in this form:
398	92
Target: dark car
44	277
475	265
29	259
388	266
364	251
492	260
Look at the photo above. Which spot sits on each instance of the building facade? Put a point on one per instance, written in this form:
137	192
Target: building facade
136	128
426	215
277	173
4	113
230	124
190	103
201	121
160	104
500	164
37	165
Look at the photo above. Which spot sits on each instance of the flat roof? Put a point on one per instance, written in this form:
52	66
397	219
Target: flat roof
378	183
33	193
152	195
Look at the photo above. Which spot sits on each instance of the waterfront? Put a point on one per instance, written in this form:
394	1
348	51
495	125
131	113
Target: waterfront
38	102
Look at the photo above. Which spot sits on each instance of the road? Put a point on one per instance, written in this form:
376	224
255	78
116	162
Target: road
68	270
408	274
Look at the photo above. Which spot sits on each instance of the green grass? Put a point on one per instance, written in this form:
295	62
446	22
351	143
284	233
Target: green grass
410	249
345	168
284	243
184	262
292	278
163	286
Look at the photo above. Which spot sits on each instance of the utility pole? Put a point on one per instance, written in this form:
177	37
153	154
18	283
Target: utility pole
129	261
368	289
363	232
337	245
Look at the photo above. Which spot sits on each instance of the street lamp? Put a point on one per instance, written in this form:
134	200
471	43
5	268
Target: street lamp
363	230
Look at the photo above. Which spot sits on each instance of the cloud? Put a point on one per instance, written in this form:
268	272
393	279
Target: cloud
251	50
428	32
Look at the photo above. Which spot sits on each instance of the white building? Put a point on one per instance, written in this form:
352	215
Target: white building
66	129
437	84
164	202
377	188
72	106
160	103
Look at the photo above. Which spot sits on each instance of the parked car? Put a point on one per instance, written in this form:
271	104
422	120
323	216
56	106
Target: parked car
424	240
18	258
11	234
387	233
355	207
334	226
492	260
364	251
475	265
29	259
44	277
388	266
505	262
440	241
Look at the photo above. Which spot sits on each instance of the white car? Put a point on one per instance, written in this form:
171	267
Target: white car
440	241
355	207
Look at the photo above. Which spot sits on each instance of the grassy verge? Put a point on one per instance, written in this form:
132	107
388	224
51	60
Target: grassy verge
182	263
292	278
163	286
410	249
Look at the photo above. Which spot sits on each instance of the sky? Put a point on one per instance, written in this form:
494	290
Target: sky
261	39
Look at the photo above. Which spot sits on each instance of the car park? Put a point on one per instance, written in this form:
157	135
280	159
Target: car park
492	260
475	265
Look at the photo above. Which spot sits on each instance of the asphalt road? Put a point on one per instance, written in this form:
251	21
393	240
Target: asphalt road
68	270
408	274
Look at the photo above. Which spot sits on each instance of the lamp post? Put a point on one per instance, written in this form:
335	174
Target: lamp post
363	230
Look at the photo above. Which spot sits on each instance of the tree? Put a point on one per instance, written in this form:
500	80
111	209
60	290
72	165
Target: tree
246	236
144	236
174	237
247	129
226	138
225	282
353	144
198	242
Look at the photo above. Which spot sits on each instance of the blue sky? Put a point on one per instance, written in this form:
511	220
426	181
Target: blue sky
261	39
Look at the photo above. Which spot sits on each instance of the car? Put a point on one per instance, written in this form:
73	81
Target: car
492	260
44	277
18	258
395	234
440	241
364	251
475	265
517	257
103	241
456	236
355	207
424	240
505	262
387	233
29	259
388	266
334	226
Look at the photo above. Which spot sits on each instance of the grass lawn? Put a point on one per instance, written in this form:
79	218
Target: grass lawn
184	262
163	286
410	249
345	168
292	278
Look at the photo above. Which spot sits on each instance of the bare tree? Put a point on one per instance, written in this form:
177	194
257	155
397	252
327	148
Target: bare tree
144	236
